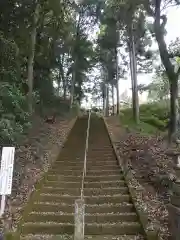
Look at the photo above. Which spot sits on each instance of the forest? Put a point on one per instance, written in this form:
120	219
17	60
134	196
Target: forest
58	56
54	53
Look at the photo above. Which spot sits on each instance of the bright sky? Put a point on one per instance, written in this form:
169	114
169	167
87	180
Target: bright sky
173	31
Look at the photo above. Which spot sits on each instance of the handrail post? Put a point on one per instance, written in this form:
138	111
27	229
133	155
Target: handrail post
79	203
79	219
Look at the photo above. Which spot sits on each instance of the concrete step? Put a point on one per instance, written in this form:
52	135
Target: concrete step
57	171
87	191
101	172
67	208
75	157
89	218
86	237
100	156
89	168
79	172
109	212
61	177
62	168
62	184
101	184
105	168
115	237
102	162
89	163
100	199
89	178
90	229
107	177
105	184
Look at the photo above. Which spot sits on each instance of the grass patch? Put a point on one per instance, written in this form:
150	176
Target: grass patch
153	118
145	128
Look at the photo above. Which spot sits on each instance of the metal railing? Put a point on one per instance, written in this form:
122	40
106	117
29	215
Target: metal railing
85	155
79	203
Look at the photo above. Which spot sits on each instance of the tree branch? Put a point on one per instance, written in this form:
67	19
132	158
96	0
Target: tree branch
148	8
178	71
164	19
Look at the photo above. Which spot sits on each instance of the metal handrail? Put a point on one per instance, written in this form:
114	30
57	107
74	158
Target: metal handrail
85	155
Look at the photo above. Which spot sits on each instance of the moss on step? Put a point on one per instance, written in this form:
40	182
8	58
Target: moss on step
12	236
151	230
35	194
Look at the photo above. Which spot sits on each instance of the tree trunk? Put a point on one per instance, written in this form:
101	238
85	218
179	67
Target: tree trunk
107	100
72	86
31	57
117	83
172	76
113	102
64	89
104	105
75	59
118	100
173	108
133	68
59	82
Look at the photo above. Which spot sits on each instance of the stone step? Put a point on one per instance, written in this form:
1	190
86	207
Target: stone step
79	172
101	208
86	237
89	163
100	157
63	184
101	184
107	177
59	177
77	162
58	168
75	157
89	218
103	171
87	191
89	168
131	228
65	172
105	184
100	199
89	178
105	168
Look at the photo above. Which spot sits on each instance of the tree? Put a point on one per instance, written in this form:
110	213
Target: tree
158	89
155	10
43	33
130	22
30	68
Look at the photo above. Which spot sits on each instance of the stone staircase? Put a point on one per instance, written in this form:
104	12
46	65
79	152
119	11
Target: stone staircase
109	211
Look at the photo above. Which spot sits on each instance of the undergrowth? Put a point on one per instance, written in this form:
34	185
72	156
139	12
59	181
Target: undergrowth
153	118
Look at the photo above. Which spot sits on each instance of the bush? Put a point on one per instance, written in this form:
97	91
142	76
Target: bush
154	121
13	104
153	117
160	111
13	113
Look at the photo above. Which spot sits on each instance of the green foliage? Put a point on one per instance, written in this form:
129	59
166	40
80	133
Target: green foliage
159	110
14	117
127	121
13	104
154	121
153	117
62	47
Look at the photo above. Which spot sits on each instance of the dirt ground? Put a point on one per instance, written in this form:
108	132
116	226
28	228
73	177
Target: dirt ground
32	158
151	166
